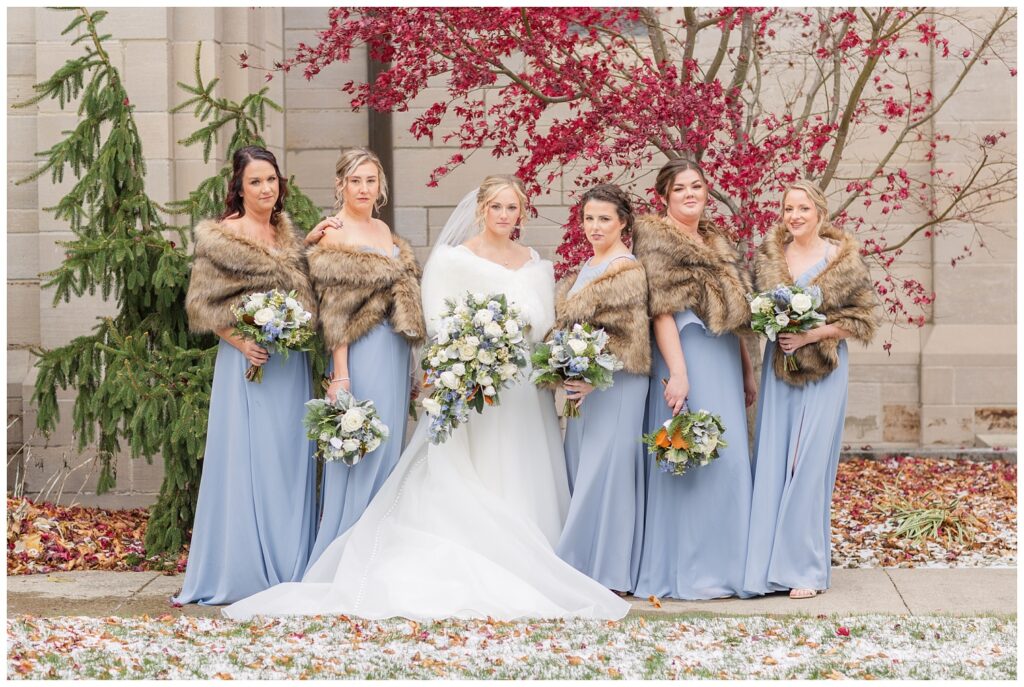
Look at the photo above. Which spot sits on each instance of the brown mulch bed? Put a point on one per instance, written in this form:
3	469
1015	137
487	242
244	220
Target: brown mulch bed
43	538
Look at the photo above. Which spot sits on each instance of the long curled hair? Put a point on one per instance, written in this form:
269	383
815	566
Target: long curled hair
492	186
242	157
667	176
346	165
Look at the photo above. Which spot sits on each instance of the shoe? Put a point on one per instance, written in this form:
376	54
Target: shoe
804	593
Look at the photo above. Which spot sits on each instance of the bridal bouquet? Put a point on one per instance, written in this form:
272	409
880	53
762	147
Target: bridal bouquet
686	440
345	429
479	348
786	309
274	320
576	353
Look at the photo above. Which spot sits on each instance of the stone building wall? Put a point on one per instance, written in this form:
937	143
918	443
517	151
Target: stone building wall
951	383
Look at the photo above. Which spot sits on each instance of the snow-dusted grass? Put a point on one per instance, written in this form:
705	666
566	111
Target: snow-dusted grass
870	646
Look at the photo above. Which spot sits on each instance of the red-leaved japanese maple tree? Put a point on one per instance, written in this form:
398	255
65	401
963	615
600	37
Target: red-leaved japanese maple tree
760	96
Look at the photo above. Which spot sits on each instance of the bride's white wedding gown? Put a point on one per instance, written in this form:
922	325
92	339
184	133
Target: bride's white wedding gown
466	528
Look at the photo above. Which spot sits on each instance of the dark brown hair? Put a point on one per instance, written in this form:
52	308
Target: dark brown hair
243	156
667	174
610	193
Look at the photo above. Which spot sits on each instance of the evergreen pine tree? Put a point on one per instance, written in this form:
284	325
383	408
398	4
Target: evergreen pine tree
140	377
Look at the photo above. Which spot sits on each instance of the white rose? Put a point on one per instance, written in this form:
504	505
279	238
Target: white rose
508	371
263	316
461	309
442	336
435	361
486	380
451	353
472	340
577	346
459	369
482	317
350	445
493	330
449	379
372	444
353	419
489	390
782	320
557	351
801	302
336	442
511	327
257	300
485	357
478	297
467	351
431	406
291	303
756	305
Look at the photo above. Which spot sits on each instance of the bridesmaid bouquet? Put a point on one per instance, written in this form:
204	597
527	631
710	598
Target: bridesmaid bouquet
344	430
786	309
688	439
576	353
274	320
479	348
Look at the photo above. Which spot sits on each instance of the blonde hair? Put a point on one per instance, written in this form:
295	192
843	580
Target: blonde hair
347	163
492	186
817	199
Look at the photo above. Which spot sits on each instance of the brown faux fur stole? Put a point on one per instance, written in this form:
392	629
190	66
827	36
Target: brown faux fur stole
617	302
682	273
227	266
357	290
847	294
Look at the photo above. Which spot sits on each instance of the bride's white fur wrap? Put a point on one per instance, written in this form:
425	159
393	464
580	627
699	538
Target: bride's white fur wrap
227	266
357	290
707	278
847	300
616	301
451	271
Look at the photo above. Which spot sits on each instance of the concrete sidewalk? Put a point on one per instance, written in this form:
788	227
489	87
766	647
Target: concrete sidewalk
900	591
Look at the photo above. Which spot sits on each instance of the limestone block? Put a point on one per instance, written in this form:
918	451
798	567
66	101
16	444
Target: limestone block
956	345
305	18
48	24
62	435
334	75
898	374
551	215
995	419
14	426
22	256
188	174
314	168
22	221
19	89
330	129
21	143
1000	245
22	313
310	98
937	385
981	294
415	165
22	196
273	23
237	25
411	224
436	217
906	347
61	324
155	132
21	25
863	409
902	422
139	23
146	476
196	23
947	425
148	75
986	385
183	67
537	236
159	180
901	393
21	60
19	361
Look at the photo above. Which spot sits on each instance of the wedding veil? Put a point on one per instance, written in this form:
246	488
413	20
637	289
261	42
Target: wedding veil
461	225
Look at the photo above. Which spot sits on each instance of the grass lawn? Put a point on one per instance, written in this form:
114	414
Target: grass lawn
691	646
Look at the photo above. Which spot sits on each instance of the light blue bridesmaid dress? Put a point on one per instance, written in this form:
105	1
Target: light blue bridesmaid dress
604	459
254	518
798	437
695	531
378	366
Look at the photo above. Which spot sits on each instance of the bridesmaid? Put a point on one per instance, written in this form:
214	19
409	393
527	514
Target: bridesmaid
254	519
800	419
603	455
696	524
367	285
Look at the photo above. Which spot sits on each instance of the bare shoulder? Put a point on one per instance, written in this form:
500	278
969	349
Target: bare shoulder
381	225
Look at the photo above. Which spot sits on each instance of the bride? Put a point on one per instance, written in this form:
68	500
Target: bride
465	528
